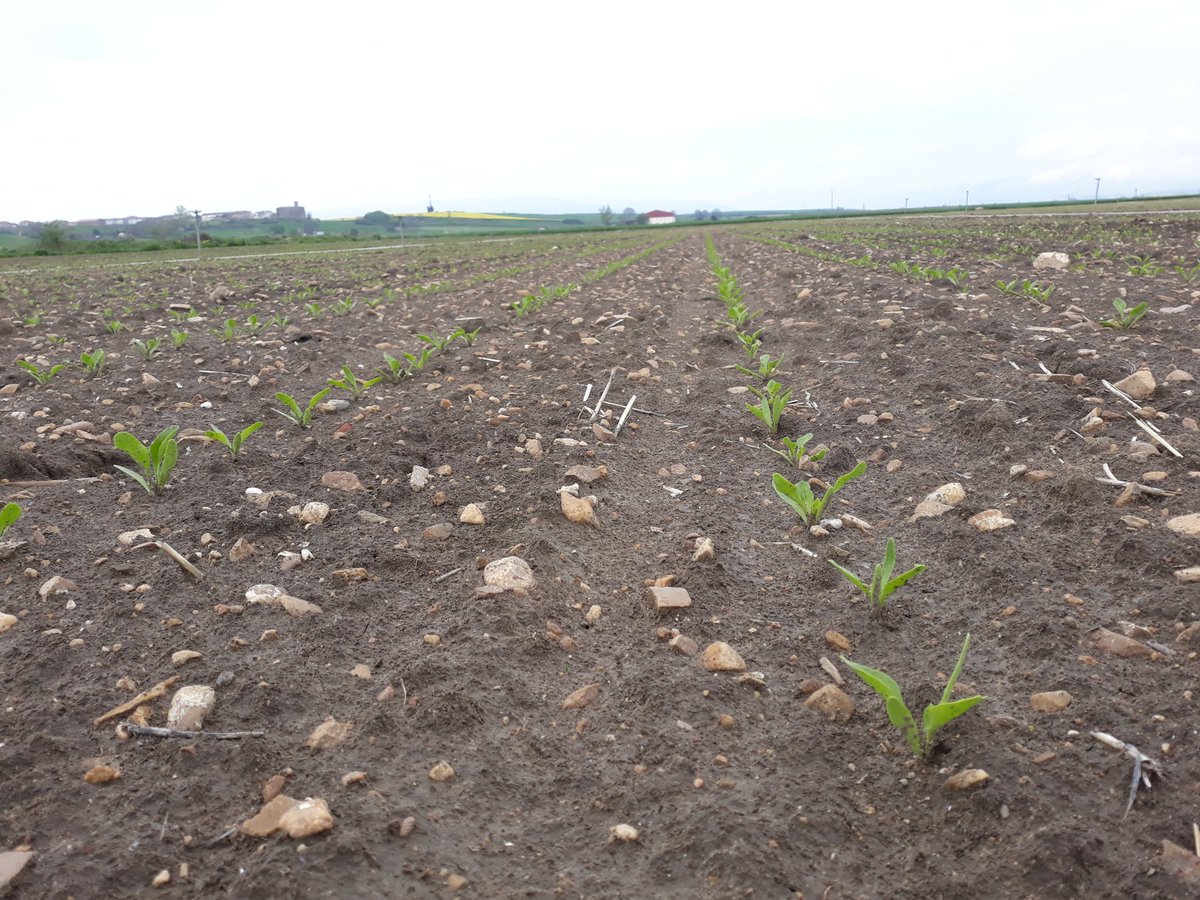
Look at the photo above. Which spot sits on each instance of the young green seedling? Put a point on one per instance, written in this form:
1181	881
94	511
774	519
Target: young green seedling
751	342
254	325
234	444
417	361
1188	274
467	337
438	344
146	348
114	326
40	376
800	497
178	338
344	307
229	332
352	383
294	414
794	451
920	739
9	514
392	370
93	363
772	401
766	366
156	461
882	583
1126	316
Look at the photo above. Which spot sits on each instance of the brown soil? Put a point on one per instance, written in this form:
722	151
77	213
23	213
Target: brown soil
772	800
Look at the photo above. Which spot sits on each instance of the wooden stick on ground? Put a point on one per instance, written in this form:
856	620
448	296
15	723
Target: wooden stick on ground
1139	488
144	697
171	552
151	731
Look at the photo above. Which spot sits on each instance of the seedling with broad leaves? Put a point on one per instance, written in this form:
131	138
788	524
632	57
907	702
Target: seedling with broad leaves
751	342
147	348
41	376
232	444
772	400
796	451
766	366
93	363
156	461
921	739
883	584
352	383
302	418
800	497
1127	316
9	514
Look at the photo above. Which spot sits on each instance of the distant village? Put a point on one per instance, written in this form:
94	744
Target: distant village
143	224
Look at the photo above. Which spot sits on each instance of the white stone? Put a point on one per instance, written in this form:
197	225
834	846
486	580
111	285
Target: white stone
1052	260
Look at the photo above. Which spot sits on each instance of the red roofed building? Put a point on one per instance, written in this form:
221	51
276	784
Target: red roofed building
660	217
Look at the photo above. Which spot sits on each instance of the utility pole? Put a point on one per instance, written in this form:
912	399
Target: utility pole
967	201
1096	199
831	199
906	204
196	213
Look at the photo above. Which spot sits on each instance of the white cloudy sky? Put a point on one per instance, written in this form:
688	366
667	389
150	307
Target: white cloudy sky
129	107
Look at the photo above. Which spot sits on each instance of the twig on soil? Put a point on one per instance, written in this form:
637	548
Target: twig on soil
644	412
603	394
151	731
1196	837
404	699
1147	427
446	575
162	835
174	554
624	415
224	834
144	697
587	392
1143	766
1139	488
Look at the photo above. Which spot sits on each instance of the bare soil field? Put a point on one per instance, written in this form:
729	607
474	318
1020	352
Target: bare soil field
414	717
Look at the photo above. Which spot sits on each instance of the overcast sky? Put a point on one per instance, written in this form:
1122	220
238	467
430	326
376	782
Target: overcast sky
132	108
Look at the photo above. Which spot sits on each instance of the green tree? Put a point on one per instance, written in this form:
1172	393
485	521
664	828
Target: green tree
606	215
376	217
52	237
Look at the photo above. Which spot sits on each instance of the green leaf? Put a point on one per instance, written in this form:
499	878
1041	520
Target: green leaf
899	716
798	496
217	435
289	403
136	477
9	514
900	580
851	577
889	563
938	714
139	452
317	398
958	667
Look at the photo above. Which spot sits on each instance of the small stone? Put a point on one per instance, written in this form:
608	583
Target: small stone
306	818
582	697
370	518
990	520
406	827
189	707
1188	525
328	734
509	573
809	686
129	538
580	510
162	878
242	550
358	573
56	585
294	606
623	833
967	778
264	593
11	864
603	435
668	598
7	621
684	645
266	820
1050	701
342	481
441	772
705	550
720	657
1190	575
471	515
1118	644
593	614
457	882
101	774
314	513
832	702
182	657
586	474
274	787
534	448
835	640
418	478
1180	862
940	501
362	672
1052	260
431	640
1178	375
438	532
1140	385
